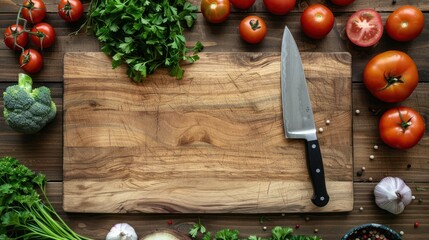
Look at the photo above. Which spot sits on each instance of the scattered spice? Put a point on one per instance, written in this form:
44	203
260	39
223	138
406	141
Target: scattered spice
401	233
320	130
375	147
408	166
328	122
316	230
416	224
361	209
374	111
393	2
370	179
297	226
169	221
357	111
413	197
264	228
307	219
363	168
371	157
359	173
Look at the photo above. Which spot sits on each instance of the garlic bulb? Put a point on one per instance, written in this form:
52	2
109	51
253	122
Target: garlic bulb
392	194
122	231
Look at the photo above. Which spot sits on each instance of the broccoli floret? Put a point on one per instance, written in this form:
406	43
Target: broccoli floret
28	110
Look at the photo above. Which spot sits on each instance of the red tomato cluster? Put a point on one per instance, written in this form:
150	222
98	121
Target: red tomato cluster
32	13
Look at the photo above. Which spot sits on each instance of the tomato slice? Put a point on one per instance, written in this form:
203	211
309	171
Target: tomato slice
364	28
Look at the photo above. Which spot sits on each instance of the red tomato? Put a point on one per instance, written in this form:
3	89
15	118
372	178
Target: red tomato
317	21
279	7
252	29
31	61
401	127
405	23
342	2
242	4
33	11
364	28
43	35
215	11
12	32
391	76
70	10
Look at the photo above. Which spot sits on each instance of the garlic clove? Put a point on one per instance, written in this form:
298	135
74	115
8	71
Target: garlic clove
122	231
392	194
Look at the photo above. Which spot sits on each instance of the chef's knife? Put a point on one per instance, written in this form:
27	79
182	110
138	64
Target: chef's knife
298	116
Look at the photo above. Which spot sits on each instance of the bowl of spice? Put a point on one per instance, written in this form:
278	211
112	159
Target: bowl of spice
371	231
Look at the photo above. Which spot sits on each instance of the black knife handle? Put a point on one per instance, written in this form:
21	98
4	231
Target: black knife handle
315	167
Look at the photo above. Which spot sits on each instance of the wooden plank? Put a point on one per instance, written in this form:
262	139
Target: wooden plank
97	225
387	161
10	5
219	130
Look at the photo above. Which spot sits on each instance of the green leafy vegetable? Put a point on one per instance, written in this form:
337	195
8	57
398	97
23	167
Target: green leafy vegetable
23	213
144	34
28	110
278	233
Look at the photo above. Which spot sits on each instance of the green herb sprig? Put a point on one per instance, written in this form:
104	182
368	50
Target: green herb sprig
24	214
144	34
277	233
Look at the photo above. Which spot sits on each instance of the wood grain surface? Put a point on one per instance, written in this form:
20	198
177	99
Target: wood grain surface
212	142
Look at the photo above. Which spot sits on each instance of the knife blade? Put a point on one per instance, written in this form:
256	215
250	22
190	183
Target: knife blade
298	115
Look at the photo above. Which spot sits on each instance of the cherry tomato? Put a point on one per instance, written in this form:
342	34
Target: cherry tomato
43	35
215	11
279	7
34	11
12	32
317	21
342	2
70	10
405	23
364	28
242	4
252	29
31	61
391	76
401	127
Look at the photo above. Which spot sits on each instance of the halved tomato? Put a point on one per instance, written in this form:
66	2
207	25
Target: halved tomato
364	28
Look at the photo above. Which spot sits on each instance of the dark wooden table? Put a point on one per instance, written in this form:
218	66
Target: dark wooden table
43	151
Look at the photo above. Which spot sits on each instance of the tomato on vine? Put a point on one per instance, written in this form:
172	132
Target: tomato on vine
317	21
405	23
13	32
70	10
391	76
215	11
34	11
401	127
31	61
42	35
252	29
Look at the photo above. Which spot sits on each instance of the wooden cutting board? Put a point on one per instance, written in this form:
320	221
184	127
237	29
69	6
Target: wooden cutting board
210	143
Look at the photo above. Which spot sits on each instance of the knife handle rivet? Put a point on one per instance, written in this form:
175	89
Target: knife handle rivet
318	170
322	198
313	146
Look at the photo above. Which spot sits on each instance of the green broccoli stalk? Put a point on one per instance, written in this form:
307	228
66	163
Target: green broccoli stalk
28	110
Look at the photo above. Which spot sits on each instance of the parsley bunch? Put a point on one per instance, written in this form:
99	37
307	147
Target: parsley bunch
23	213
144	34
